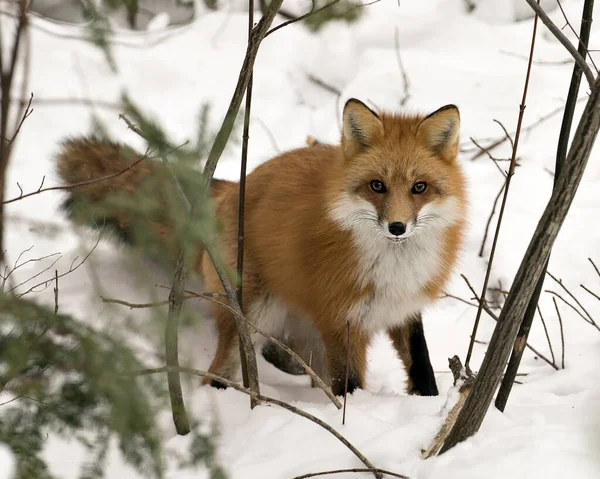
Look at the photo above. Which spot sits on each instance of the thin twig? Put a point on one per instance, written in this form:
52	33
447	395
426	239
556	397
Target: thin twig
266	399
347	370
562	334
494	316
595	267
539	310
458	298
326	86
487	152
339	471
511	171
56	291
560	36
489	221
26	113
73	267
405	81
314	376
559	281
566	61
301	17
77	185
52	102
506	134
595	295
580	40
499	141
572	306
156	303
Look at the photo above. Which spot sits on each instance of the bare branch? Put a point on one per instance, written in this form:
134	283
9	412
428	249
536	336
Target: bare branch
547	334
595	267
487	152
562	334
567	61
326	86
582	42
339	471
497	142
405	81
560	36
595	295
489	220
511	171
495	317
301	17
266	399
559	281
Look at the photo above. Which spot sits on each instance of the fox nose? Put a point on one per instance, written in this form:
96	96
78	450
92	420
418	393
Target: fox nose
397	228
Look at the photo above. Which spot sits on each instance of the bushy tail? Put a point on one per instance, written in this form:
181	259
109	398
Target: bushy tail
136	200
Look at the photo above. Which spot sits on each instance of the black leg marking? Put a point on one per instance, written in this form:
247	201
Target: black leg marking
338	384
421	371
217	384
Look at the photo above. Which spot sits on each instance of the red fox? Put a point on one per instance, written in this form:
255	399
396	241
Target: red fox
362	235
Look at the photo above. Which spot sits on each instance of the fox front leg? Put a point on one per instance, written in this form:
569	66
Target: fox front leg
336	343
411	346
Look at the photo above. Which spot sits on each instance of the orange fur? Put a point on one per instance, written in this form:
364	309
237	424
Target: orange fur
300	263
317	246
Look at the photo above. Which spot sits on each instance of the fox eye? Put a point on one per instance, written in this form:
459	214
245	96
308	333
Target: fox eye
377	186
419	187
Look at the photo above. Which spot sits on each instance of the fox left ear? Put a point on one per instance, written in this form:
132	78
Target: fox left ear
361	128
439	131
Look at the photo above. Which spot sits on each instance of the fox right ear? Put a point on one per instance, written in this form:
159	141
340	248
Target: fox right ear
439	131
361	127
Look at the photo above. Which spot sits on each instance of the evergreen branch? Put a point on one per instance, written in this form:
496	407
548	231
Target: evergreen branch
266	399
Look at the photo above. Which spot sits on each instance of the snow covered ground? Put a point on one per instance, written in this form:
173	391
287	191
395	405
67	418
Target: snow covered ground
551	428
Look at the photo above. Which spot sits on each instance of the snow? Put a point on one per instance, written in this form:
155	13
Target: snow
551	428
7	463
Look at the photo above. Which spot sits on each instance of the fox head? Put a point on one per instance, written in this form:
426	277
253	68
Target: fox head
401	177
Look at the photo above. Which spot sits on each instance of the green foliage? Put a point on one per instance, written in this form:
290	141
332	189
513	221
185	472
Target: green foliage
345	10
69	379
99	29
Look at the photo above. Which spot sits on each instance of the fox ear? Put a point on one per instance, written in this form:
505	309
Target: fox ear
439	131
361	127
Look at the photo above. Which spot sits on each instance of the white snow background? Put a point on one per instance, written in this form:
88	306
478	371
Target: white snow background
551	427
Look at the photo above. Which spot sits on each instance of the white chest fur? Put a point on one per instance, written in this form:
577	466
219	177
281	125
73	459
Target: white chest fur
397	272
